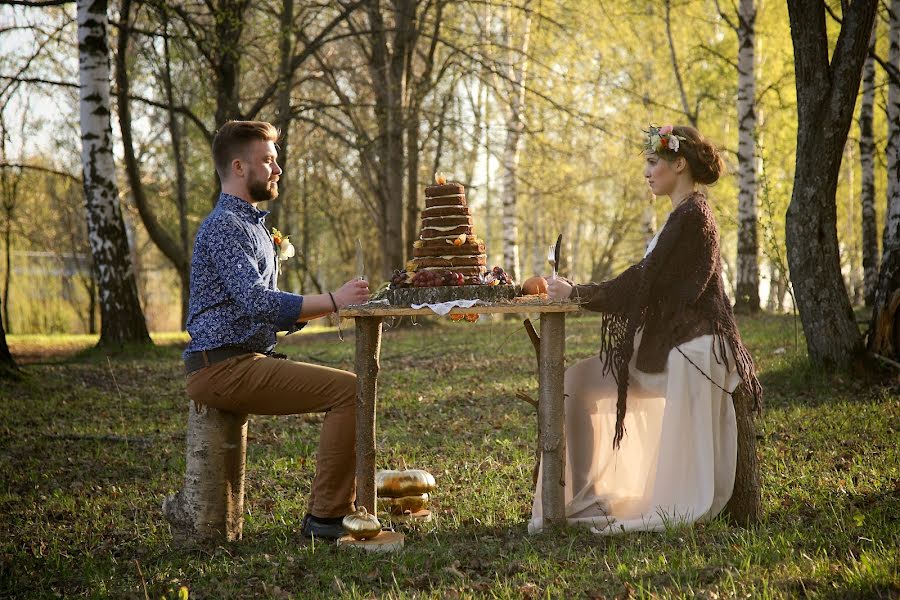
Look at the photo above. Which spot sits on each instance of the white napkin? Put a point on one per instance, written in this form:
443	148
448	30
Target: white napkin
444	308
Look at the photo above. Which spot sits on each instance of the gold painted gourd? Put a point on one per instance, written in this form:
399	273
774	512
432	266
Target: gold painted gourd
399	484
399	506
361	525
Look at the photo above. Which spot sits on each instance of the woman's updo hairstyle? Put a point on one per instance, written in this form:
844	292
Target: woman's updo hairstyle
702	156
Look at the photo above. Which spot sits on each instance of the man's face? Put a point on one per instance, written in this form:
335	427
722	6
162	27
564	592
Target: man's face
262	171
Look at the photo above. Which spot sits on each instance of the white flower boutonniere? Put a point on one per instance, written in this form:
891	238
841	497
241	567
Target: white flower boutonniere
282	244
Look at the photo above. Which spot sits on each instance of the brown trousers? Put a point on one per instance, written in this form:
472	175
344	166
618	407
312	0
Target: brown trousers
261	385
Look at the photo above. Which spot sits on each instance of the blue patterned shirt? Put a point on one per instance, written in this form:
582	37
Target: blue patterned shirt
234	297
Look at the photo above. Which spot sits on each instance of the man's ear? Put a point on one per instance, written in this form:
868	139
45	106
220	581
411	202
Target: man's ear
237	167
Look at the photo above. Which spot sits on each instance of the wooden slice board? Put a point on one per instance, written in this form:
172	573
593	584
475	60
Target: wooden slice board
386	541
422	516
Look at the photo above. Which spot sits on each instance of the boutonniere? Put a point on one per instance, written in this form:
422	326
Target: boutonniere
282	244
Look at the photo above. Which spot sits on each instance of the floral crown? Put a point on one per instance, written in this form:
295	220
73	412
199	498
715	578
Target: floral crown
662	138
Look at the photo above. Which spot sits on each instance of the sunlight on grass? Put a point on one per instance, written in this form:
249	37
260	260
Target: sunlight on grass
94	442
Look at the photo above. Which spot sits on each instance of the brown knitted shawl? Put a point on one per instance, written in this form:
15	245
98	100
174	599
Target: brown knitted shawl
674	295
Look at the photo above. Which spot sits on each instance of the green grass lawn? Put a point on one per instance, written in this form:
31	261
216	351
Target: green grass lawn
91	444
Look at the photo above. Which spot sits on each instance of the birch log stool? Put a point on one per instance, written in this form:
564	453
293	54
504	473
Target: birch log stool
744	506
210	506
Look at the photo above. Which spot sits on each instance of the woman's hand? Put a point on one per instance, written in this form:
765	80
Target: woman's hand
558	288
355	291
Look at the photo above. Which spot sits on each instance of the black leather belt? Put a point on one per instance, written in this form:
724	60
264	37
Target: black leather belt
197	360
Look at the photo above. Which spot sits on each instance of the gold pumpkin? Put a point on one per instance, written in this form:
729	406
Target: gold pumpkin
398	506
361	525
397	484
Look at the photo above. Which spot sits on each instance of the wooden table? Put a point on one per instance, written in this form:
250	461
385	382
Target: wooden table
551	409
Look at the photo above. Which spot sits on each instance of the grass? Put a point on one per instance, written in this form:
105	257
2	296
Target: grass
91	444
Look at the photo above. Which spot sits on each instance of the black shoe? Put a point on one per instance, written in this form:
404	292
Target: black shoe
329	529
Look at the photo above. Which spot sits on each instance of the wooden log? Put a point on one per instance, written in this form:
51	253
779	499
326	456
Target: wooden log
552	415
436	295
210	506
744	506
368	350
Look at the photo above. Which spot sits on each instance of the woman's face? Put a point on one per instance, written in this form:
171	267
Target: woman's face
660	174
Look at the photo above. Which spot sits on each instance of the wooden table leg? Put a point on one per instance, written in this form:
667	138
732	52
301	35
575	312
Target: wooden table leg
368	350
552	415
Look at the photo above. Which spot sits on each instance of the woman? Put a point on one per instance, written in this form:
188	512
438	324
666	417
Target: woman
670	353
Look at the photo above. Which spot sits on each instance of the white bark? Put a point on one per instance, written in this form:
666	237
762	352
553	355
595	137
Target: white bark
867	172
210	506
891	235
122	318
517	76
747	284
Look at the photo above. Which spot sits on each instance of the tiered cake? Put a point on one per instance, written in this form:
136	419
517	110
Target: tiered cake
446	241
449	261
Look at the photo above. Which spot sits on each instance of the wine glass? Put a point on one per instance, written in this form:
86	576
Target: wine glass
551	258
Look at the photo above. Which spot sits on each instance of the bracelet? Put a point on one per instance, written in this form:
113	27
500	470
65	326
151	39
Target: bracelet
333	303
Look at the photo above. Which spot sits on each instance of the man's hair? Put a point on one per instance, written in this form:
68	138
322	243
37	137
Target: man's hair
232	139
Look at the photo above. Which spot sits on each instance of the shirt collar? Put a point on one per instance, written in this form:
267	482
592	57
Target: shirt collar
243	208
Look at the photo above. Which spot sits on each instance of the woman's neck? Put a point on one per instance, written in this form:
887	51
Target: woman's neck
681	192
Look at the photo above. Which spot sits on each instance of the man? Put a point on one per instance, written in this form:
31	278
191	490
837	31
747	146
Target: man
236	308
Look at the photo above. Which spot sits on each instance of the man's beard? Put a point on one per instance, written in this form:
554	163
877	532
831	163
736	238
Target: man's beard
261	191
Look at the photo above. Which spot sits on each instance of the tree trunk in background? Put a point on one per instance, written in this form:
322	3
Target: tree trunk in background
867	171
412	181
175	132
516	78
171	247
121	317
8	367
281	208
387	69
747	292
826	96
893	117
884	330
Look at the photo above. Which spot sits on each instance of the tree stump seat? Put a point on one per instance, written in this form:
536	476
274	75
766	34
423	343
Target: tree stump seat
210	506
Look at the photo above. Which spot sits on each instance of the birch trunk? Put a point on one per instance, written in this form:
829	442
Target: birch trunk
884	338
826	93
121	317
867	171
893	117
747	292
210	506
517	76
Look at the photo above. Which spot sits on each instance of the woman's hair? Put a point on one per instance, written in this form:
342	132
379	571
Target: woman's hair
702	156
232	139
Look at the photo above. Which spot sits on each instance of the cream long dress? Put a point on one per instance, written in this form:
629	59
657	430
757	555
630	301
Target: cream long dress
677	461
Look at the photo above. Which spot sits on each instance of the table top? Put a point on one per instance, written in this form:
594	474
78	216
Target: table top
523	307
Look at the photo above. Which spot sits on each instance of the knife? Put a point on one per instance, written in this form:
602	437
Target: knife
556	254
360	262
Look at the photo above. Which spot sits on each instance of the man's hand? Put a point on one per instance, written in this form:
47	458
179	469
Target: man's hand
355	291
558	288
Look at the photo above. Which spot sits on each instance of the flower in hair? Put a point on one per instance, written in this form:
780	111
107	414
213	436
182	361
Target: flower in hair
662	138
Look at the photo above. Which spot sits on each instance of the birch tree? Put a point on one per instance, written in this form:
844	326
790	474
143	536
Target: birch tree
867	172
120	311
826	94
884	338
747	285
516	76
